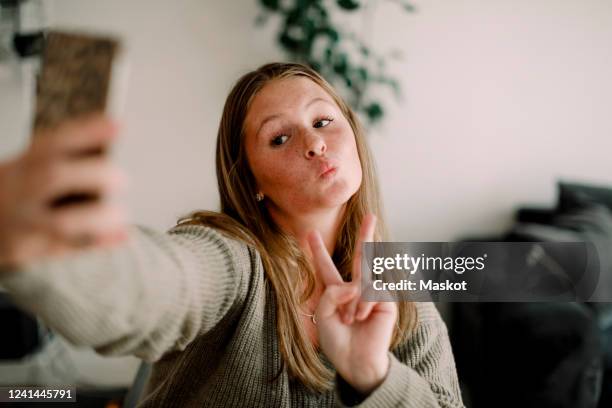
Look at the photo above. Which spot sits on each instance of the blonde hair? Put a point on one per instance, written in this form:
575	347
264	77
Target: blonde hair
286	267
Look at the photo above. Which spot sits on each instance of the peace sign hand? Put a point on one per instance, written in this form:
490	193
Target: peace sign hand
354	335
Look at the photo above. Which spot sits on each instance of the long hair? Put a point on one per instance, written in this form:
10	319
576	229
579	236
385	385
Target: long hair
286	266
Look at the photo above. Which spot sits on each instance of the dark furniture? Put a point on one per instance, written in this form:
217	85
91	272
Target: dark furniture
542	354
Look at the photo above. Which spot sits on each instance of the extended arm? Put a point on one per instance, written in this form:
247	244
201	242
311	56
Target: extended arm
152	295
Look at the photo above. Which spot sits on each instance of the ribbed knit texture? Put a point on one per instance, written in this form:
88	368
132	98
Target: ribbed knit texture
197	304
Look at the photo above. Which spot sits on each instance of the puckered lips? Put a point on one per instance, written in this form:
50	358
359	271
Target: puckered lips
327	169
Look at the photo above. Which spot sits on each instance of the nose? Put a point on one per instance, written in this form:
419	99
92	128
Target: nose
315	146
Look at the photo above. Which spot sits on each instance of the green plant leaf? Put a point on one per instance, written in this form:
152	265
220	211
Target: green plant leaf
314	64
332	34
408	7
341	64
305	24
363	73
288	43
348	4
261	19
271	4
374	111
394	84
328	54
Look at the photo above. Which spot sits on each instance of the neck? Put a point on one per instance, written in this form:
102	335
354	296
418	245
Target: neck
327	221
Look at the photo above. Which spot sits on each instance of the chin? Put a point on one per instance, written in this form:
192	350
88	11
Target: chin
337	194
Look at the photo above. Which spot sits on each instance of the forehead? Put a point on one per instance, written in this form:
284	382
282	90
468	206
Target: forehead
282	96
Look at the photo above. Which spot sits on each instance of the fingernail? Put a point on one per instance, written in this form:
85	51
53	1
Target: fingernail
311	237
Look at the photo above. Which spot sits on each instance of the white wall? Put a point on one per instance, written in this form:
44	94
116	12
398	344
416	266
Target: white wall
502	97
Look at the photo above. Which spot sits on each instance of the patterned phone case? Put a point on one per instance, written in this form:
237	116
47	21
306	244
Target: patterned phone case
74	81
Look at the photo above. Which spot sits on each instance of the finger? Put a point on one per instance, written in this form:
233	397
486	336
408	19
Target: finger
364	309
84	175
91	220
76	136
366	234
351	308
322	261
333	297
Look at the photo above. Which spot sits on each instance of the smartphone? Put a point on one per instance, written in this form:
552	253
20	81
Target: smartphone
74	80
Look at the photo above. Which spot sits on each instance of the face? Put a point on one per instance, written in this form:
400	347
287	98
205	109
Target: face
300	147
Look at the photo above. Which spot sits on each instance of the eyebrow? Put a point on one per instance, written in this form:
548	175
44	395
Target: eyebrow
276	115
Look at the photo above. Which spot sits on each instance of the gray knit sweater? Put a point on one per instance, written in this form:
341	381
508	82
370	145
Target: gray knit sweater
197	304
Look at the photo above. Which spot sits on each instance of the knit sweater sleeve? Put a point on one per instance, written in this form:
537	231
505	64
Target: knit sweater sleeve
422	372
153	294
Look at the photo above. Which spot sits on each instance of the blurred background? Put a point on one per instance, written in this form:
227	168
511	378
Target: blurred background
475	109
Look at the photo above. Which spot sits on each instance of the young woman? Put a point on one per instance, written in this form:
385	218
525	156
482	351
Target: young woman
257	305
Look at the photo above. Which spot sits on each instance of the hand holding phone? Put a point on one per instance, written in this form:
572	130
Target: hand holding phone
74	82
55	197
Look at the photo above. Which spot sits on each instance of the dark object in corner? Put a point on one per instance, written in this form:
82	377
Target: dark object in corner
29	45
20	332
575	196
544	355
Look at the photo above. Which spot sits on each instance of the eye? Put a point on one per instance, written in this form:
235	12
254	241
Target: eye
322	122
279	140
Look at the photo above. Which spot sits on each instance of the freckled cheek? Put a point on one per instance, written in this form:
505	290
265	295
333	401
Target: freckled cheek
278	171
349	157
343	145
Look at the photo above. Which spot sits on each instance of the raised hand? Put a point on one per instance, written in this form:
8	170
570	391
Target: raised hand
354	335
52	166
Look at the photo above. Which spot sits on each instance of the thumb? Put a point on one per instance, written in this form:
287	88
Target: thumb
333	297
